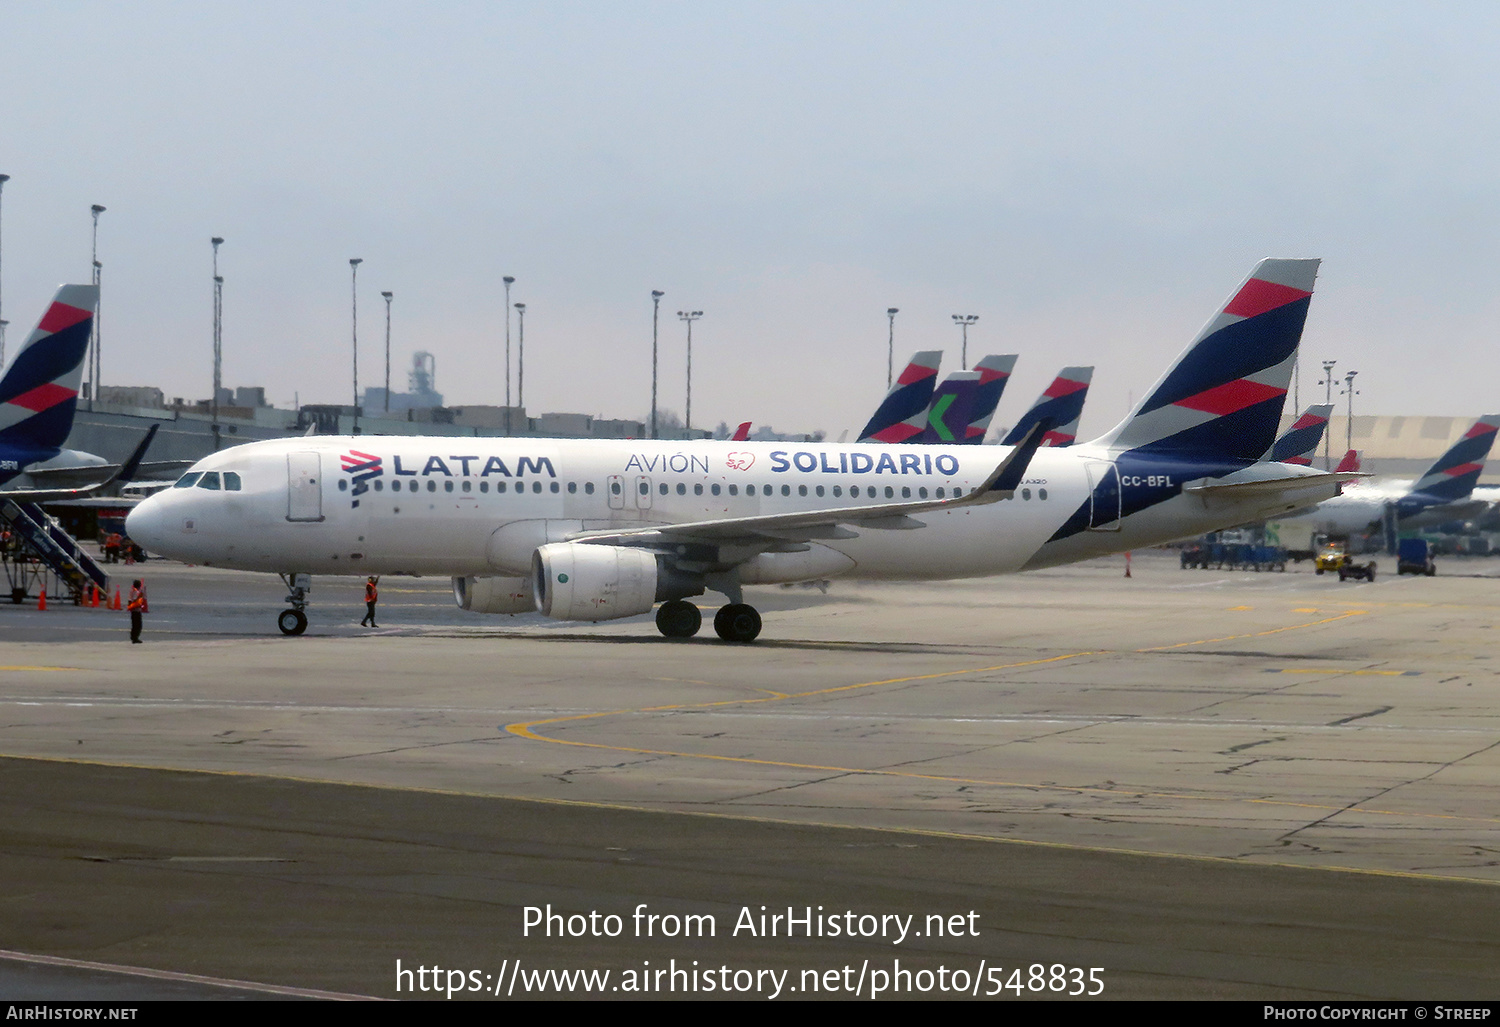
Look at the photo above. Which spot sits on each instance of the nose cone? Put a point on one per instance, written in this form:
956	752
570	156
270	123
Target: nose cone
144	524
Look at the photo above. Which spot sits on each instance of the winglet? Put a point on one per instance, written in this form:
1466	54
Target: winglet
1006	478
131	467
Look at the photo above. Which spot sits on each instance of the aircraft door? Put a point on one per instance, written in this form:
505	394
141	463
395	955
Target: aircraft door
642	492
616	486
1104	497
304	487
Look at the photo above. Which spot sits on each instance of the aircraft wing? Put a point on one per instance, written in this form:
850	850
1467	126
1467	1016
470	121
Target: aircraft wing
804	525
117	471
1244	488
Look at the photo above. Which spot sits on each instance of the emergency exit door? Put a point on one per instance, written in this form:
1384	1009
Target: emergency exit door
304	487
1104	497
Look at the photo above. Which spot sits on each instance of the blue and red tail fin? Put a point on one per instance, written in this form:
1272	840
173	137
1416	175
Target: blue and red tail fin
994	375
903	413
1300	442
1350	462
1061	404
1222	400
39	392
950	409
1455	473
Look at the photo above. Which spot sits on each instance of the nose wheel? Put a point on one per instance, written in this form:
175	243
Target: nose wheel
294	621
737	622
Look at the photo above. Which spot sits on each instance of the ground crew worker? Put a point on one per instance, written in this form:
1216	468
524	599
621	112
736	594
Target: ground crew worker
112	547
371	595
136	606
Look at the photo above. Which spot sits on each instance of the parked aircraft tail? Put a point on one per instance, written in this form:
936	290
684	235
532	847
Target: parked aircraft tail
1301	440
1455	473
994	374
1222	399
949	410
1061	403
1350	462
903	413
39	392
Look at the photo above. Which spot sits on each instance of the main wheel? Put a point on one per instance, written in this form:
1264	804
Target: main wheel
678	619
292	622
737	622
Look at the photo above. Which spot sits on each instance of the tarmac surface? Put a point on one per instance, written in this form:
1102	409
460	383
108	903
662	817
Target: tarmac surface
1210	784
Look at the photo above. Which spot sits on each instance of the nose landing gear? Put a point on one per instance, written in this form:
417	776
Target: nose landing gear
294	621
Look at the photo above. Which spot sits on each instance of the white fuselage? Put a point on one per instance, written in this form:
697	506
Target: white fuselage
481	506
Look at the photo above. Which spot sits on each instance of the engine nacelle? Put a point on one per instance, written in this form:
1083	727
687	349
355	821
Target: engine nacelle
578	581
494	595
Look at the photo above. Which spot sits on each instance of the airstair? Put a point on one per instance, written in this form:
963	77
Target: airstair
38	549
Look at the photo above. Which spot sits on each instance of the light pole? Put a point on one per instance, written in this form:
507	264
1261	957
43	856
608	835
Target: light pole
509	280
216	242
890	347
656	295
689	316
387	296
1350	391
521	355
97	340
354	263
1328	383
963	321
3	323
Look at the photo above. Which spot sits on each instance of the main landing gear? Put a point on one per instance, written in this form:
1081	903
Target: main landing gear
737	622
294	621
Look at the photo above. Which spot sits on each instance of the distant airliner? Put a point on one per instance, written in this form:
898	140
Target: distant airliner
591	530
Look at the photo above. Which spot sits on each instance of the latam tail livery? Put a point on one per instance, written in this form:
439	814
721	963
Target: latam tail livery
902	415
1061	405
1301	440
591	530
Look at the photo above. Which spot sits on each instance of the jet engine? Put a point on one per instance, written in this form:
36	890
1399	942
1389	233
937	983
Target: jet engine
494	595
578	581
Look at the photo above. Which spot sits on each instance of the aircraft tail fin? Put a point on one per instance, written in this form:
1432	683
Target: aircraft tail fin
903	413
1061	404
1301	440
1455	473
39	392
742	433
1222	399
994	375
1350	461
949	410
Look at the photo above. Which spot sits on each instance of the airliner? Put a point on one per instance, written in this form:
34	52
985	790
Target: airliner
592	530
1445	491
38	400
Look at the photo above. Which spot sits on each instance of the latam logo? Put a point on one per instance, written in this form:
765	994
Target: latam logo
360	467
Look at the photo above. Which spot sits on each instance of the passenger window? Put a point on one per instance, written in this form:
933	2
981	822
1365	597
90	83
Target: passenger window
411	486
854	491
572	488
838	490
232	482
555	488
588	488
343	485
188	480
644	487
749	490
431	485
447	486
468	487
786	490
1025	493
698	490
941	493
890	493
210	480
734	490
681	489
714	489
819	490
801	490
663	488
484	486
536	486
1041	493
614	488
499	486
922	492
905	492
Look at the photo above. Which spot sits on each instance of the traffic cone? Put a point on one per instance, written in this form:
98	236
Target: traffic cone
41	603
1127	563
94	596
116	604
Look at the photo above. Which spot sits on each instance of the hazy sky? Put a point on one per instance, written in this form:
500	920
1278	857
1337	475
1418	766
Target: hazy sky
1091	179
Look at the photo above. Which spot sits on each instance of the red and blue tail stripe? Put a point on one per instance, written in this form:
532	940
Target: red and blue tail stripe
994	375
39	392
1062	404
903	414
1456	472
1300	442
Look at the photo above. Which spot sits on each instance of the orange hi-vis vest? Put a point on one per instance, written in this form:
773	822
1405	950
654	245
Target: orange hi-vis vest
137	600
370	593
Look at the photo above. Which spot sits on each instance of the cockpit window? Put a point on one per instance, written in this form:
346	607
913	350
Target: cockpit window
232	481
210	480
187	480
